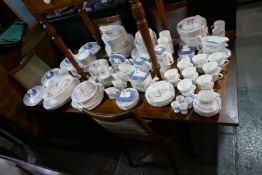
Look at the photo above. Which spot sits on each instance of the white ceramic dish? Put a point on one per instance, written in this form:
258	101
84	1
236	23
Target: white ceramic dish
160	93
127	98
34	96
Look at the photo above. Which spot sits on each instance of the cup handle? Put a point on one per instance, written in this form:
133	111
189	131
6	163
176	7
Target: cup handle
220	76
225	63
171	59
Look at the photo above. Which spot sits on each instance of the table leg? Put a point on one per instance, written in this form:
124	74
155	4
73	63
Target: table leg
139	15
161	12
90	25
62	46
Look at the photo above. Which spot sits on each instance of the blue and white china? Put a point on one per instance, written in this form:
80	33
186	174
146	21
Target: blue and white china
92	47
140	79
127	98
34	96
142	63
186	51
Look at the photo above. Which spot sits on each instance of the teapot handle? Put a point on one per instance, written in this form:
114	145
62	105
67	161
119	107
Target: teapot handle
171	59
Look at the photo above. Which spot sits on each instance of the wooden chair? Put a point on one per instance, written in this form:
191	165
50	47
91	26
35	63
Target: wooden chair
19	167
174	12
130	127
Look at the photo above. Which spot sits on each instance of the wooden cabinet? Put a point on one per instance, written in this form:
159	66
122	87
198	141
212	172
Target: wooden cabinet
41	7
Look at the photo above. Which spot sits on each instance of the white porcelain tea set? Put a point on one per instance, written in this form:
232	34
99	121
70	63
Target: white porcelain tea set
200	70
127	98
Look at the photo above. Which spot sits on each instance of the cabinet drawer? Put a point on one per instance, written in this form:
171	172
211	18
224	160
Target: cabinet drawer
41	7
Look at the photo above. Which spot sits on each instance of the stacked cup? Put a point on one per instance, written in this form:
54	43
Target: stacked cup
199	60
190	73
117	40
212	68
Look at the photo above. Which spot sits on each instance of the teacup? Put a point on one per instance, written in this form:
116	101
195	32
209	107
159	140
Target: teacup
185	85
206	96
205	82
172	76
184	63
199	60
189	72
191	91
210	67
218	57
217	75
189	101
142	63
112	92
120	76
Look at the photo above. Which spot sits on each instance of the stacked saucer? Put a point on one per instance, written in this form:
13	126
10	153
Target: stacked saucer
88	95
160	93
58	93
127	98
191	30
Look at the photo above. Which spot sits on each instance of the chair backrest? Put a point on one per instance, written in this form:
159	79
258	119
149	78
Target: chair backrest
19	167
127	126
108	21
30	71
174	12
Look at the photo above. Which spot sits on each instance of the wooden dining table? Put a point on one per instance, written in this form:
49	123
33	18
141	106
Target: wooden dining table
226	87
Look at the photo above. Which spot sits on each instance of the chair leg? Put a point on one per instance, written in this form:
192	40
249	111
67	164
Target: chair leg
128	155
170	156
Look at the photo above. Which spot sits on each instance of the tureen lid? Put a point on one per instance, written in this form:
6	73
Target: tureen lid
50	76
139	75
34	96
127	95
139	61
93	47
